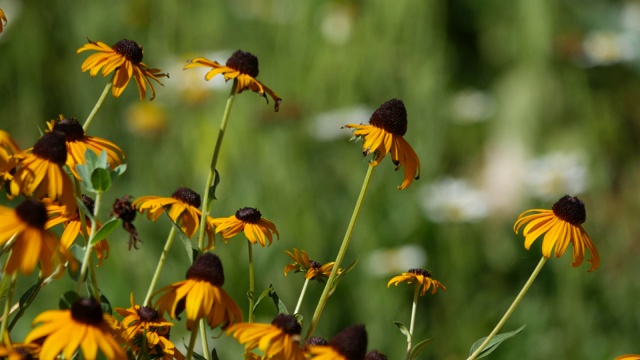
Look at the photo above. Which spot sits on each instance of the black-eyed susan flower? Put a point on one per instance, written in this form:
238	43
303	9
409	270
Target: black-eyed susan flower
280	339
31	243
78	142
10	156
182	207
349	344
628	357
385	134
73	227
123	209
3	20
18	351
421	277
125	57
250	220
312	269
375	355
563	226
242	66
83	326
201	295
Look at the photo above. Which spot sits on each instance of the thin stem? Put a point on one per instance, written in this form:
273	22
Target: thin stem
302	293
7	304
192	342
163	256
203	337
96	107
214	162
343	250
511	309
252	281
414	309
87	253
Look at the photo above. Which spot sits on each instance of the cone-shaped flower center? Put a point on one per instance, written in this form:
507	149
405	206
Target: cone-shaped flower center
130	50
317	341
571	210
123	209
87	311
32	212
71	129
351	342
314	264
375	355
288	323
52	147
24	353
89	203
244	62
423	272
248	215
207	267
391	117
187	196
148	314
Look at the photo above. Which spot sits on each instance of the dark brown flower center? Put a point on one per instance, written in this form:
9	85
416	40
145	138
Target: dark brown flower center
351	342
317	341
22	352
87	311
248	215
89	203
52	147
123	209
32	212
375	355
315	264
148	314
71	129
391	117
187	196
571	210
288	323
244	62
423	272
207	267
130	50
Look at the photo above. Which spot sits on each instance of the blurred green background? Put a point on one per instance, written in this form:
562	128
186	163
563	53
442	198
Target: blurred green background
511	105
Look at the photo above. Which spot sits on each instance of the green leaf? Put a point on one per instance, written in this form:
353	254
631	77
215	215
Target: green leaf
102	162
100	180
186	242
25	300
106	229
68	299
494	343
85	175
212	189
198	356
280	306
341	275
403	329
83	208
262	296
417	348
120	169
91	159
214	354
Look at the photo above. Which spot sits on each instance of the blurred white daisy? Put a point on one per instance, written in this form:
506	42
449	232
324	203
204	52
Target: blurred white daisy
383	262
471	106
556	174
328	125
454	200
337	23
607	47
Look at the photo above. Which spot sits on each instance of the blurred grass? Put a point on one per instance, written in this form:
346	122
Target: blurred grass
526	55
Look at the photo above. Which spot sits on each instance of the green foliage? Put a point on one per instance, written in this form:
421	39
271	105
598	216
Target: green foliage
493	344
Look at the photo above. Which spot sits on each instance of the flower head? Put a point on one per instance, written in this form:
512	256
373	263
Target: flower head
562	225
384	134
311	268
349	344
40	173
3	20
83	326
280	339
78	142
10	156
628	357
31	242
125	57
201	295
17	351
250	220
421	277
123	210
242	66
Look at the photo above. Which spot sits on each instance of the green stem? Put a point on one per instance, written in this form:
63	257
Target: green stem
192	342
163	256
341	253
7	305
96	107
414	309
87	253
214	162
252	281
203	337
511	309
302	293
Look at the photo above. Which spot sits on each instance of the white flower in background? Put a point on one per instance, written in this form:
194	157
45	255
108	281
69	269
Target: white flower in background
337	23
328	125
454	200
382	262
556	174
606	48
471	106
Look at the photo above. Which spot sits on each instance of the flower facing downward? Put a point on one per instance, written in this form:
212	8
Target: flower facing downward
312	269
125	57
123	210
384	134
250	220
421	277
242	66
562	225
84	326
349	344
201	295
280	339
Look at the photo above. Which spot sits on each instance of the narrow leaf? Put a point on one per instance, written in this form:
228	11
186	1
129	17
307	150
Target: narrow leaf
68	299
105	230
186	241
417	348
403	329
280	306
341	275
214	354
262	296
494	343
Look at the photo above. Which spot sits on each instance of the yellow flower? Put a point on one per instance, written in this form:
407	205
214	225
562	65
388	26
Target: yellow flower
384	134
17	351
280	339
30	242
312	269
78	143
125	57
562	225
349	344
242	66
628	357
182	207
421	277
249	220
3	20
10	156
84	326
40	173
201	295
